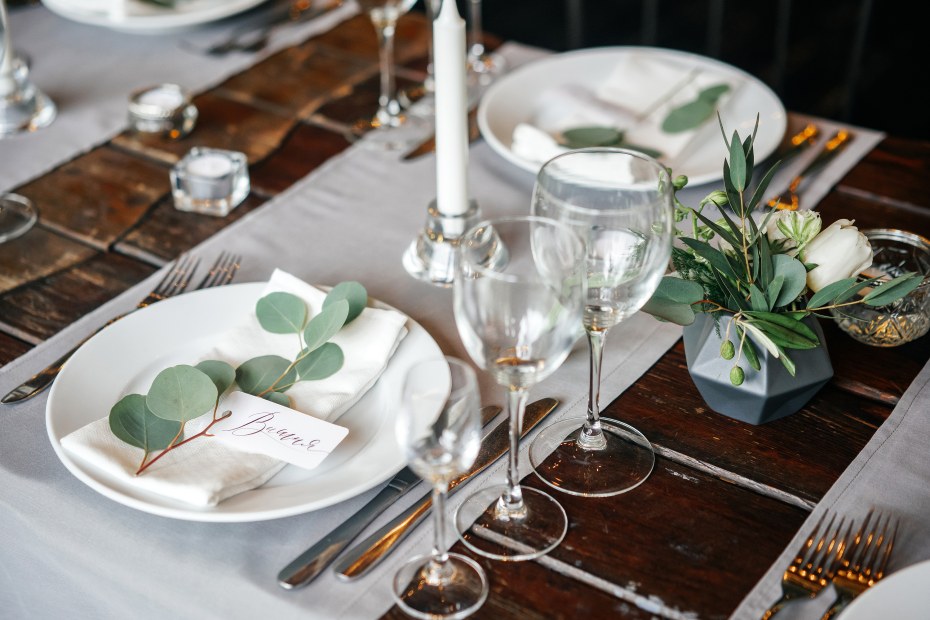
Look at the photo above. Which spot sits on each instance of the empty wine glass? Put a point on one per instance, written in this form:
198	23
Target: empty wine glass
439	428
518	297
620	202
23	107
390	128
483	65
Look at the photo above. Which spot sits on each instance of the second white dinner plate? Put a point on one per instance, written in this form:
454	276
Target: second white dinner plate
146	17
513	98
125	357
902	595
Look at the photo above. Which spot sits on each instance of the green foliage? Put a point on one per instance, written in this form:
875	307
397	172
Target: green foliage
320	363
181	393
265	373
222	374
326	324
354	293
134	423
278	398
693	113
281	313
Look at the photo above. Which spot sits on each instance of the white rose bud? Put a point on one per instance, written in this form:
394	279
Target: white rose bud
797	227
839	252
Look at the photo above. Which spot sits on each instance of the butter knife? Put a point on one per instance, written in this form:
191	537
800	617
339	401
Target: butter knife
309	564
368	553
429	145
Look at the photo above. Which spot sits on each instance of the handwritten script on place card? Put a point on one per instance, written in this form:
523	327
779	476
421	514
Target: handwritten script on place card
258	425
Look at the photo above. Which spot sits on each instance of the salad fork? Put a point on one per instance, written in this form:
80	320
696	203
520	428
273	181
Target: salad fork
175	281
813	566
864	562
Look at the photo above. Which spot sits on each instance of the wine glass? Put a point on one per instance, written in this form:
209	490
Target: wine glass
620	202
518	298
23	107
483	65
390	128
439	429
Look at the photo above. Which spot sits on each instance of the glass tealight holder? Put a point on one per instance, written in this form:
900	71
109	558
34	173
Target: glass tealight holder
210	181
165	109
895	252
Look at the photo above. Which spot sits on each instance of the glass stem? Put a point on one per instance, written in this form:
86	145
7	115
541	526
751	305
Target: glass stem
512	502
592	436
440	555
475	32
388	106
6	46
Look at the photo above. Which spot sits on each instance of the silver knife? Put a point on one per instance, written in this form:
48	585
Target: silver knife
309	564
368	553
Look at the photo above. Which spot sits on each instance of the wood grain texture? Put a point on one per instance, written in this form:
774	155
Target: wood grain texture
39	310
869	212
895	172
304	150
36	254
359	103
97	196
356	36
11	348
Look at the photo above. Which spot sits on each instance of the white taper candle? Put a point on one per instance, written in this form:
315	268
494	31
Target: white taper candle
451	111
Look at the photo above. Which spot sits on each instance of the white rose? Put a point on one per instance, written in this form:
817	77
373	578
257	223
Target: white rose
839	251
794	228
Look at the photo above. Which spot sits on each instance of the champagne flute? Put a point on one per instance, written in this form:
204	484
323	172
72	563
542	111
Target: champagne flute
439	429
23	107
620	202
483	65
390	128
518	297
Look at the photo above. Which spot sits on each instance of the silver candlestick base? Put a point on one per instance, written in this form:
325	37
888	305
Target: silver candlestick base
431	257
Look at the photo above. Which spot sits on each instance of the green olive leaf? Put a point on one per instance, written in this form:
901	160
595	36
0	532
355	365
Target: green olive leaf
354	293
132	422
181	393
892	290
263	373
326	324
737	163
222	374
320	363
281	313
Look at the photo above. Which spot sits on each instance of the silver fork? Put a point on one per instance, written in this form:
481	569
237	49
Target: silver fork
864	561
174	282
813	566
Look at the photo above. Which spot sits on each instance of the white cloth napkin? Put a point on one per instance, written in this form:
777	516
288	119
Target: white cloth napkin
635	98
205	472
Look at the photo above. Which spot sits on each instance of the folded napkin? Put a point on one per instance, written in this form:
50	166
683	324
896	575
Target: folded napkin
204	472
635	98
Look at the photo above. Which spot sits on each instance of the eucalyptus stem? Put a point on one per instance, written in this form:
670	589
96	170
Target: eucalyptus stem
171	447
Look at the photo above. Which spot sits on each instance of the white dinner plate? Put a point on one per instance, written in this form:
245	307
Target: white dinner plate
512	100
902	595
125	357
144	17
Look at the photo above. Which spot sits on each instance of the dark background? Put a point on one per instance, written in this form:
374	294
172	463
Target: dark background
857	61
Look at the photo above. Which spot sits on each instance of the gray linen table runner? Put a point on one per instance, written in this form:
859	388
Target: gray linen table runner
66	551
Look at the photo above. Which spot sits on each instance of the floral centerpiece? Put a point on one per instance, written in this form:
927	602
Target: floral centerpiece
763	272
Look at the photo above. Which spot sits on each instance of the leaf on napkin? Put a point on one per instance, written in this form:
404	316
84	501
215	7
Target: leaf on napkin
221	373
593	136
326	324
278	398
260	374
181	393
354	293
692	114
320	363
281	313
134	423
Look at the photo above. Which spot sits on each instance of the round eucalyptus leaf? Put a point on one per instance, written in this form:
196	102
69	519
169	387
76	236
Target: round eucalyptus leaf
221	373
320	363
278	398
132	422
581	137
281	313
264	373
326	324
795	276
181	393
352	292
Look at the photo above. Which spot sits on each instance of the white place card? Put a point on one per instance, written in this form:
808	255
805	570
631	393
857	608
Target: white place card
258	425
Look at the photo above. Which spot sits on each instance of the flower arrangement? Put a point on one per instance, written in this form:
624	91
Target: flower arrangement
765	269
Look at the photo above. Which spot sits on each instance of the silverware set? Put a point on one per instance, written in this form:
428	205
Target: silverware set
175	281
850	557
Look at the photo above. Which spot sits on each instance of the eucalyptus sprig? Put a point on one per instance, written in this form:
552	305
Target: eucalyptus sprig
765	281
155	422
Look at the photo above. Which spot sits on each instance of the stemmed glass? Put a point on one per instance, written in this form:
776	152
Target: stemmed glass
620	202
518	297
483	65
23	107
390	128
439	428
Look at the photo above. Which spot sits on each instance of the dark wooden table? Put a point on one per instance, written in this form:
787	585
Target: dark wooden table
725	497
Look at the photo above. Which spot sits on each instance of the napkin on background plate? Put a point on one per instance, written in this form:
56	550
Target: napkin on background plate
635	98
203	472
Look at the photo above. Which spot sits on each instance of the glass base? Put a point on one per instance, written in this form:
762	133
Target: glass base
533	533
454	589
23	107
17	216
622	464
399	134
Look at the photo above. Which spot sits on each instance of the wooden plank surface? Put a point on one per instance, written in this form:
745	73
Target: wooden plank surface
36	254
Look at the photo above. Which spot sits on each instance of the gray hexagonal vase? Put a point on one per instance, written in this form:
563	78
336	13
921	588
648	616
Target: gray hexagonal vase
765	395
